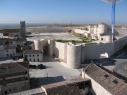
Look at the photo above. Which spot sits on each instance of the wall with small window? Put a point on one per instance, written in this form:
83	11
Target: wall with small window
35	57
9	52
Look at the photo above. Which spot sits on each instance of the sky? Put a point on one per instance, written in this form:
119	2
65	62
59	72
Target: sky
61	11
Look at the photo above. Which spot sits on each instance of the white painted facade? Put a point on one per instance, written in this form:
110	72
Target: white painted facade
1	35
35	57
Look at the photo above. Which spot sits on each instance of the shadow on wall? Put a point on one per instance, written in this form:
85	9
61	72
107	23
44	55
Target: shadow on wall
109	63
38	82
56	52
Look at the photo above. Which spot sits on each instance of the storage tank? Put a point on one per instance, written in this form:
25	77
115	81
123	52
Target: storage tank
73	55
102	28
38	45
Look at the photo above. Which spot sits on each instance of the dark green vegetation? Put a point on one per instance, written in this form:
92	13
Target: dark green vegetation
87	42
25	58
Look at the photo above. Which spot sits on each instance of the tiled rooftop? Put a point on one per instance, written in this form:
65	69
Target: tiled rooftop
69	87
111	83
33	52
9	68
9	47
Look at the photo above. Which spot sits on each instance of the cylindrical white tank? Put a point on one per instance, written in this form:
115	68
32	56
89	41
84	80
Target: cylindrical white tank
38	45
73	55
102	28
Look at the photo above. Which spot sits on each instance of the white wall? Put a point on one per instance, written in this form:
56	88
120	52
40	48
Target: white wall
73	55
9	52
98	51
97	88
40	57
59	50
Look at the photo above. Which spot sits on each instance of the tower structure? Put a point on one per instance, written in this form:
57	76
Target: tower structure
113	2
23	28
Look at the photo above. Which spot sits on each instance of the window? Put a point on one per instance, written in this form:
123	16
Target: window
37	55
6	50
34	59
7	55
106	76
9	89
37	59
26	72
115	81
29	55
30	59
101	38
33	55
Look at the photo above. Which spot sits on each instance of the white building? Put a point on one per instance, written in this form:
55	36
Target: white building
34	55
103	82
13	78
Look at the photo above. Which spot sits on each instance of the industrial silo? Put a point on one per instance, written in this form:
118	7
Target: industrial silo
73	55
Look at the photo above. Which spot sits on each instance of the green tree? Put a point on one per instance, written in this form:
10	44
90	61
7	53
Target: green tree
25	58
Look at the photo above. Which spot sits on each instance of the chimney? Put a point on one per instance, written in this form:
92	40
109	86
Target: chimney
83	73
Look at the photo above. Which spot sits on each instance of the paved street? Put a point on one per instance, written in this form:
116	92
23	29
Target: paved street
55	71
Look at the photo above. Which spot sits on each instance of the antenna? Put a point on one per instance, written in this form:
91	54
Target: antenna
113	2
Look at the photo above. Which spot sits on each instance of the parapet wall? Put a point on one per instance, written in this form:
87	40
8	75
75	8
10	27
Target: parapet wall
98	51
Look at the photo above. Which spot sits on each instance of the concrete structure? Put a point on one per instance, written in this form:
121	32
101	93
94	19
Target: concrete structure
34	55
23	28
14	78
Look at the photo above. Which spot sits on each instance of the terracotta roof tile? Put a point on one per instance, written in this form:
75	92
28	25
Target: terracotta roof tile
110	82
33	52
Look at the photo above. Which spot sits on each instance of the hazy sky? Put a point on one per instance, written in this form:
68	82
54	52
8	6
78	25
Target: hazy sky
61	11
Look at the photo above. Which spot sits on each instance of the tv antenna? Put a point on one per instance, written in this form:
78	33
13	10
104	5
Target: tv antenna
113	2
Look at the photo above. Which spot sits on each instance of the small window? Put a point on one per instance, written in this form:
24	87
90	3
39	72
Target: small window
26	72
6	50
33	55
101	38
9	89
115	81
30	59
37	55
26	78
34	59
37	59
7	55
29	55
106	76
